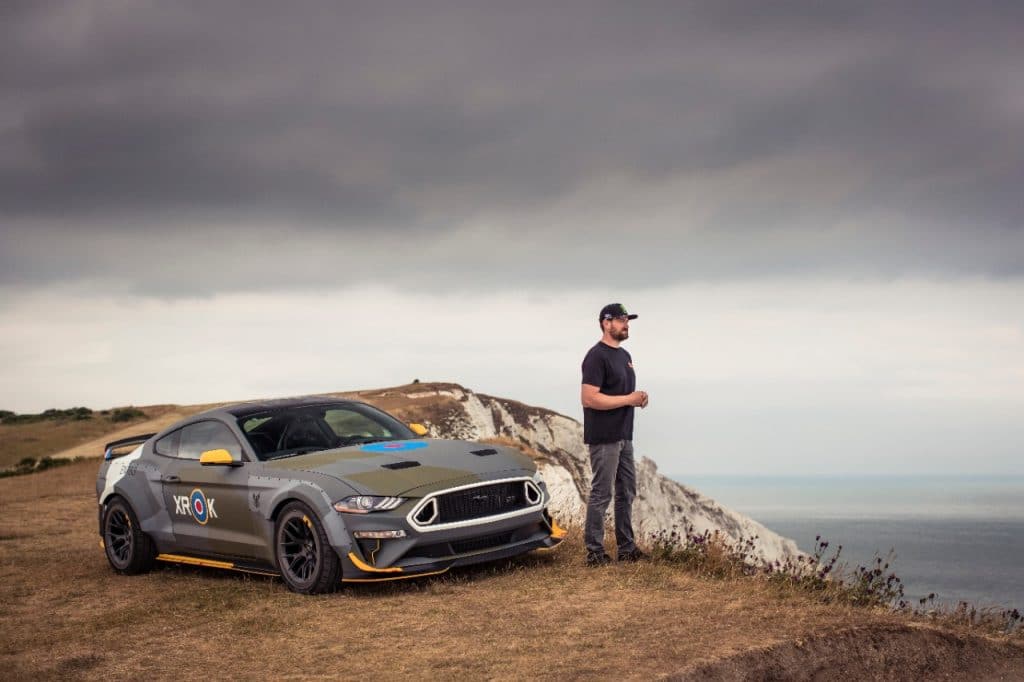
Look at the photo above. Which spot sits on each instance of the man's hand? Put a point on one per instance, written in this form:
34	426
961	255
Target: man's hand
638	399
592	397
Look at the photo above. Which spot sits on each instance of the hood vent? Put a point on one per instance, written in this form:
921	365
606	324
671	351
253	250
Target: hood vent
484	452
401	465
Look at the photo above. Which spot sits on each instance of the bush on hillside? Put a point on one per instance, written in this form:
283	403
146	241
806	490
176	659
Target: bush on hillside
706	553
126	414
74	414
711	554
30	465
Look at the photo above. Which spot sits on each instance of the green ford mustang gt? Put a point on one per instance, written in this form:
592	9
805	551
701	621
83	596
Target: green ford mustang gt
317	491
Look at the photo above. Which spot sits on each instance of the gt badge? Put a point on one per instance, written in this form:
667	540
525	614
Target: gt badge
196	505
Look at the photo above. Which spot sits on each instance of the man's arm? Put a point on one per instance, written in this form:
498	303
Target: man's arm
592	397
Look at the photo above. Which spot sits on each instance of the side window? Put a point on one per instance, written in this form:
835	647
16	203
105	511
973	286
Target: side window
168	445
202	436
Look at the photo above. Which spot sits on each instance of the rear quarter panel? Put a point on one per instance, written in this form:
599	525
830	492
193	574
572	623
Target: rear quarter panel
136	478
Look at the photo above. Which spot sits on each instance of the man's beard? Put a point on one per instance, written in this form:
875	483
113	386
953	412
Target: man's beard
621	335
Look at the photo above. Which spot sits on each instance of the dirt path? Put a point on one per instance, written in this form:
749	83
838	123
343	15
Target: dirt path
65	615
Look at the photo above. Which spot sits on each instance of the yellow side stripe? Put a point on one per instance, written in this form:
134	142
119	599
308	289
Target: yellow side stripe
396	577
194	561
363	566
256	571
210	563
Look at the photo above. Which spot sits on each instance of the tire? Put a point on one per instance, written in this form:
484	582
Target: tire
128	549
306	560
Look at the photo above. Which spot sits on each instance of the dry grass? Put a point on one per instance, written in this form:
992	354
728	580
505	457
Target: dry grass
66	614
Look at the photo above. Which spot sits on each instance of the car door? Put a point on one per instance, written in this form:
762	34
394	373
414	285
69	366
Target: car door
209	504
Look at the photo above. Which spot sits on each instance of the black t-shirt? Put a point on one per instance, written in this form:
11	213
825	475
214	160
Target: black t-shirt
611	370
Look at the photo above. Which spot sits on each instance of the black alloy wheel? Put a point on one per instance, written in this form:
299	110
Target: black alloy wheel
308	563
128	549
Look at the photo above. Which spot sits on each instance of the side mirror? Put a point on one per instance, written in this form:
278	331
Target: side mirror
418	429
219	457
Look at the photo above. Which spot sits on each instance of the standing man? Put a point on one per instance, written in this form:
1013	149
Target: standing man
609	396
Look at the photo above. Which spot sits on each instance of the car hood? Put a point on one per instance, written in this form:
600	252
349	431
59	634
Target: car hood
396	467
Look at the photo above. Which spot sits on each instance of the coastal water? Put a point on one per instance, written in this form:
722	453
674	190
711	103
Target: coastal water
960	538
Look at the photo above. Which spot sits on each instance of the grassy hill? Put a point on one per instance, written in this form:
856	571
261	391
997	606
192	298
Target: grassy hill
69	433
67	615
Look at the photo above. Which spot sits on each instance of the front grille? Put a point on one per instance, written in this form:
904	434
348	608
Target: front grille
477	544
481	501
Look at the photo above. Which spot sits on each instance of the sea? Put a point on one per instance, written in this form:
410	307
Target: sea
959	538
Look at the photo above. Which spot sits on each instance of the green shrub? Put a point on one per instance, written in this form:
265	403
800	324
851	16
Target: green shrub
74	413
23	418
125	414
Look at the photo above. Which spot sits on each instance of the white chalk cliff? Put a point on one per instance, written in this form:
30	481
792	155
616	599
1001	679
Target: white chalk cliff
661	504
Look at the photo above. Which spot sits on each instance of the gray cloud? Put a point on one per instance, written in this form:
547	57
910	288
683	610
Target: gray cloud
867	139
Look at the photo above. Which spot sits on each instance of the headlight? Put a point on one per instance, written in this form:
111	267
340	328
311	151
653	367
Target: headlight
538	481
364	504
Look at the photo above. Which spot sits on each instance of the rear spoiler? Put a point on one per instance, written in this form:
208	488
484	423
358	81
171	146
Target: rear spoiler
108	449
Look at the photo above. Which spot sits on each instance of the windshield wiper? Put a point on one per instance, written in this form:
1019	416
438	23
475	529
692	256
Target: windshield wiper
300	451
376	439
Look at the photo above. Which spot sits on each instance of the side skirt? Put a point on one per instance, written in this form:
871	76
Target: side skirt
243	567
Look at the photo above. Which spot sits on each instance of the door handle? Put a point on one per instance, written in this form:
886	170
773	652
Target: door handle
170	479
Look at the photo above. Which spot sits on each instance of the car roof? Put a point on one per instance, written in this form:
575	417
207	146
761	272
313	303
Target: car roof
239	410
231	413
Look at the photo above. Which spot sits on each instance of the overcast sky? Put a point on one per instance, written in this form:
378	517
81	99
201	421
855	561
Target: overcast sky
815	208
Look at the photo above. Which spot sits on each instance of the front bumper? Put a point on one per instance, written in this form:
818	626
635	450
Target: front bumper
419	555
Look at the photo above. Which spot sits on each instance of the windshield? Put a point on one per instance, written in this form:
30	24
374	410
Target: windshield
291	431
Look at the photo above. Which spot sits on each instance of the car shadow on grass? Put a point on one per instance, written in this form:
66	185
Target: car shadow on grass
462	575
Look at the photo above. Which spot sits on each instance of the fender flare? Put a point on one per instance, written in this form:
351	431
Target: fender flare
317	499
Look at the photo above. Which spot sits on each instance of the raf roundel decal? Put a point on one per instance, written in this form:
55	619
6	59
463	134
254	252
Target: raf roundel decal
197	505
197	502
394	446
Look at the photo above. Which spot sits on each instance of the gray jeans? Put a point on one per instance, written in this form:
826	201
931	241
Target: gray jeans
612	464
